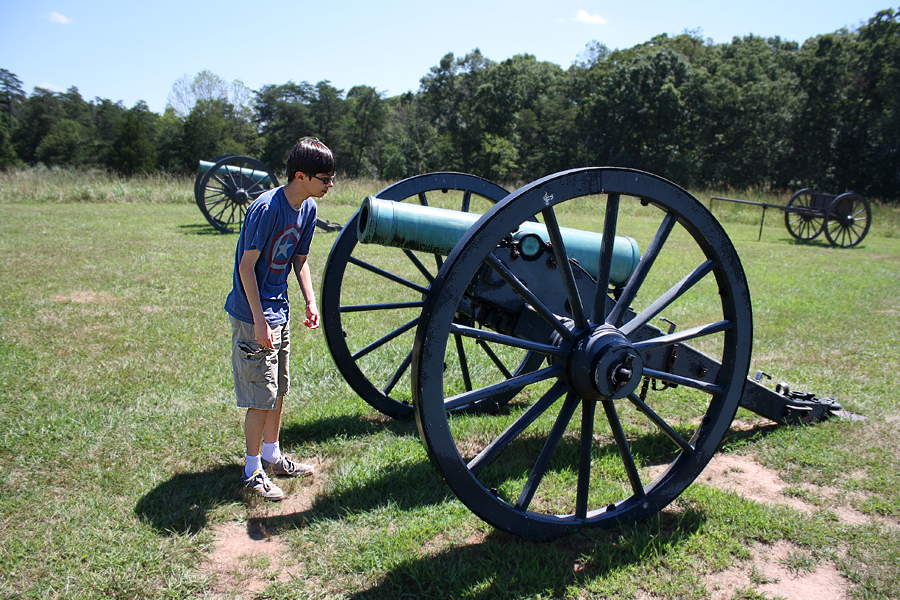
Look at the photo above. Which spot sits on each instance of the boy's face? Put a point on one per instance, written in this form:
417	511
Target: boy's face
318	184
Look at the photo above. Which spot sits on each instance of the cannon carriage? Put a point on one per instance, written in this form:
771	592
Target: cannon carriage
573	357
845	218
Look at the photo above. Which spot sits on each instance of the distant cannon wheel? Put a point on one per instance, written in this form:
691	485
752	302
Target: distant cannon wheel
847	220
803	219
229	187
534	470
368	324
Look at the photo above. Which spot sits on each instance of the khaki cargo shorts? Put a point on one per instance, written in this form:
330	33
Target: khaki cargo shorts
260	375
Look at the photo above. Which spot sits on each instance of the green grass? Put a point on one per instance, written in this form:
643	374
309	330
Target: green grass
120	445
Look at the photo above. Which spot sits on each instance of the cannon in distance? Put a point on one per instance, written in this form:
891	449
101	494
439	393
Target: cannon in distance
578	340
226	186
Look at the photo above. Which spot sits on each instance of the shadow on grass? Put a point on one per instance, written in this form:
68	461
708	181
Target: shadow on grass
180	504
504	566
201	229
347	426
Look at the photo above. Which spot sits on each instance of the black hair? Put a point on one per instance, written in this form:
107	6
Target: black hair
309	156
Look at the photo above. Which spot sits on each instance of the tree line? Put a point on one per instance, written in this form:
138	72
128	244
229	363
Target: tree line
753	112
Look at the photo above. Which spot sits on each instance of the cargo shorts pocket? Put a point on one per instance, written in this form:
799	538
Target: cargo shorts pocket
255	363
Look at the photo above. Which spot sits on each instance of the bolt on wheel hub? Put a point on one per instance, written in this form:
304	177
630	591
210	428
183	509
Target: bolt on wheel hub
602	364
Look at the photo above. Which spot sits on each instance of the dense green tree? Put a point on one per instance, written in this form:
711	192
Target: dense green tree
8	156
208	133
168	140
11	97
282	116
366	115
131	151
66	144
328	112
40	111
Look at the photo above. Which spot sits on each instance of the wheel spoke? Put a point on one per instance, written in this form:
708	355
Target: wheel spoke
387	275
683	336
668	298
516	284
543	461
565	268
624	449
494	358
499	338
491	451
513	384
418	264
463	363
349	308
466	201
588	408
606	253
659	422
404	366
617	316
385	339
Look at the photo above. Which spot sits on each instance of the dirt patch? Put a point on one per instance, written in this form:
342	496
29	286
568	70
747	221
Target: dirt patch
247	557
781	570
86	297
747	478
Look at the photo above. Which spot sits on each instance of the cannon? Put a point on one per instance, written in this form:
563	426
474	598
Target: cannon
844	218
562	376
227	185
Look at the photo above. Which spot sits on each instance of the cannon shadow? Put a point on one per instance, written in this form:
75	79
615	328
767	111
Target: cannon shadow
498	565
180	504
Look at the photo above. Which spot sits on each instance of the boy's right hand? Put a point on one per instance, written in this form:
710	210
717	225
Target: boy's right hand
264	335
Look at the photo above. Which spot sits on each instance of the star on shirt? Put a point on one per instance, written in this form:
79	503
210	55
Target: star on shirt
284	249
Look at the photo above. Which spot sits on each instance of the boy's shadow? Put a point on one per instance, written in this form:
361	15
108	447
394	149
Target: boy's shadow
180	504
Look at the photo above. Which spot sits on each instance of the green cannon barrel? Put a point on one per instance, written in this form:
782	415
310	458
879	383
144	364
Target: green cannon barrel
437	230
255	174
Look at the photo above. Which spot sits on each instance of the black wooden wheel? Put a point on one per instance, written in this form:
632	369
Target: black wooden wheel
804	219
369	324
536	472
226	190
847	220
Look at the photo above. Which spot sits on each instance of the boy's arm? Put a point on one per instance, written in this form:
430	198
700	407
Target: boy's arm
247	273
304	278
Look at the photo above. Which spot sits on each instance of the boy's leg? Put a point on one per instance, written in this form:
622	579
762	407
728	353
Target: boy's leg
273	423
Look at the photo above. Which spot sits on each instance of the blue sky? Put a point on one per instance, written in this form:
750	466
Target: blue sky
130	51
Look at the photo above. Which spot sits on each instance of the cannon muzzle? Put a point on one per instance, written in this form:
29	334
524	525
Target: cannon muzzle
437	230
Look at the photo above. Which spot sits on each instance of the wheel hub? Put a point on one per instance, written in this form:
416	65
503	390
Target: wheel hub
241	196
602	364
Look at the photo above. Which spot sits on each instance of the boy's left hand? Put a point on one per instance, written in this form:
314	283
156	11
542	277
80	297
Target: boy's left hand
312	316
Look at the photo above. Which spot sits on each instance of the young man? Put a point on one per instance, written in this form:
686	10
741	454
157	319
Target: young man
274	240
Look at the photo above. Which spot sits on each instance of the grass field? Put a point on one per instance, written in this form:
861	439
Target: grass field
120	446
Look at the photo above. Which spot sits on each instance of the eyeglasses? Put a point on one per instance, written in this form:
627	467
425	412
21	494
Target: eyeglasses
325	180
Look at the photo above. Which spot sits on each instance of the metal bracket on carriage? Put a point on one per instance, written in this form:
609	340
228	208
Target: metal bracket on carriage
328	226
790	407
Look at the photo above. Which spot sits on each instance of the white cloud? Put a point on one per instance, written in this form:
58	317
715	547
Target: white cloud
585	17
58	18
51	87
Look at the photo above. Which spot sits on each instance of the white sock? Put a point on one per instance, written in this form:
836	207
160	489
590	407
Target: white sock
271	452
253	464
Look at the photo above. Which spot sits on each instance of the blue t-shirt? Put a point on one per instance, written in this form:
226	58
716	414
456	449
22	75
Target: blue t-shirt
280	232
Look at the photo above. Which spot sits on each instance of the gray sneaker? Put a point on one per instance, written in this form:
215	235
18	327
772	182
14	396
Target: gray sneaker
286	467
260	484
